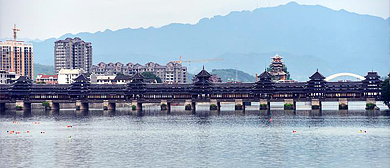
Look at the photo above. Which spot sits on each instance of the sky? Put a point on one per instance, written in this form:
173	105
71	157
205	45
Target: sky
43	19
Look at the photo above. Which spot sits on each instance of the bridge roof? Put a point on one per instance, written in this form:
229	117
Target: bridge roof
317	75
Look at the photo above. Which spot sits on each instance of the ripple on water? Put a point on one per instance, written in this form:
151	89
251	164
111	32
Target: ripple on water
204	139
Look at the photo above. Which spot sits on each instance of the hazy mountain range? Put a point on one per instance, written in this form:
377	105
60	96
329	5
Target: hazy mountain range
309	37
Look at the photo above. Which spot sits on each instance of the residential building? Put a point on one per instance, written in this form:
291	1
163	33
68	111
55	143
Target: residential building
17	56
67	76
7	77
47	79
215	78
73	54
122	79
109	79
172	72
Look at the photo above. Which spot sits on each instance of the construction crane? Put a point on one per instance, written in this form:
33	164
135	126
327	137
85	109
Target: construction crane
15	30
197	60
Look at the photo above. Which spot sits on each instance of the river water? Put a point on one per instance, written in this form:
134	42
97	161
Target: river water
206	139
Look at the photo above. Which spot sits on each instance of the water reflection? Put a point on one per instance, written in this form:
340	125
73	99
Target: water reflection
125	138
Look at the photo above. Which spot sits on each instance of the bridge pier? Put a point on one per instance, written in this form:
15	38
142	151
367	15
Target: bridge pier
371	104
2	107
238	104
193	105
81	105
136	105
22	105
289	104
165	105
107	105
215	105
316	104
189	105
264	104
53	105
343	104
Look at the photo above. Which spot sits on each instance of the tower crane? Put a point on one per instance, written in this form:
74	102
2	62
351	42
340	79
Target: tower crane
198	60
15	30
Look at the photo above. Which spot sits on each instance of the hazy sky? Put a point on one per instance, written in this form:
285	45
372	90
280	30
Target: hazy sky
44	19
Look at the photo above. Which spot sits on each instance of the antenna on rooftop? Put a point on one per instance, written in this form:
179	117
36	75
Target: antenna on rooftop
236	74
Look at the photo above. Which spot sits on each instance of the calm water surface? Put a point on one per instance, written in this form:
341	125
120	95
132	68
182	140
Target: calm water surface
204	139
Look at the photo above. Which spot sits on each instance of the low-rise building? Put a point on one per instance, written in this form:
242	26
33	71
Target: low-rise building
67	76
109	79
47	79
7	77
122	79
172	72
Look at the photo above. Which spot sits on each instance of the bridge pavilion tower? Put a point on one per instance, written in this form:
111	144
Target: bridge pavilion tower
372	85
136	88
265	86
20	91
264	89
316	89
202	88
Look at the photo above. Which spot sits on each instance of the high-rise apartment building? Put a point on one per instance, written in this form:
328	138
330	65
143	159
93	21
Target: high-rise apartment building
73	54
17	56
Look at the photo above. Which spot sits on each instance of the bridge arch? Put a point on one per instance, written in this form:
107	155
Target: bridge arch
344	74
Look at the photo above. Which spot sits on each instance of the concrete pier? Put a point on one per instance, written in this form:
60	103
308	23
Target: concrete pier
164	105
343	104
107	105
265	104
2	107
289	104
189	105
371	104
82	105
22	105
215	105
137	105
238	104
53	105
316	104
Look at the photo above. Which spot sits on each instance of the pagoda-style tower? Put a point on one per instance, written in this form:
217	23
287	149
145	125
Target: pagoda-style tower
277	69
136	88
80	88
316	86
372	85
202	85
21	88
265	86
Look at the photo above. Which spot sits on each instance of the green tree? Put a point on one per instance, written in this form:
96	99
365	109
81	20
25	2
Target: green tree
386	92
150	75
119	74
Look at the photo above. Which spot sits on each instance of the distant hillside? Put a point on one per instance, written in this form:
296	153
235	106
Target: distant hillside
44	69
308	36
226	74
190	76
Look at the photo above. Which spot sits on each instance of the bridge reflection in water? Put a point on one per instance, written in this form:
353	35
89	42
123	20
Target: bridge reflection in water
82	95
200	113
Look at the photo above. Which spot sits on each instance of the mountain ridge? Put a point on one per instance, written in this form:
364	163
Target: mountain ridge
338	41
